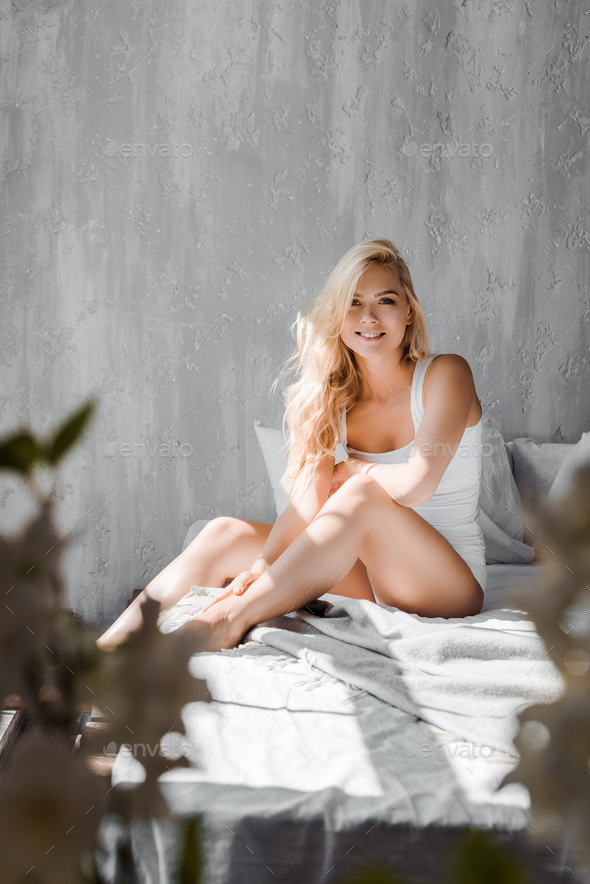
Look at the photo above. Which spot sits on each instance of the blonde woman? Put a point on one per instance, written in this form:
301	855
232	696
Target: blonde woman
397	522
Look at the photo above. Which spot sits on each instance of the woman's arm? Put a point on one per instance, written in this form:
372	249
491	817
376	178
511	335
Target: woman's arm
451	392
302	509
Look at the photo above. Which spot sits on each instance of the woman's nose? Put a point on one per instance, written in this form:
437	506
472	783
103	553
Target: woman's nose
368	314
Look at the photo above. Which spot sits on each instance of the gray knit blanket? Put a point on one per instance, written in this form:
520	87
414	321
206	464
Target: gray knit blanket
469	676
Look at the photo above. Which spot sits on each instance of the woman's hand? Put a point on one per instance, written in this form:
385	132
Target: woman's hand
240	584
344	470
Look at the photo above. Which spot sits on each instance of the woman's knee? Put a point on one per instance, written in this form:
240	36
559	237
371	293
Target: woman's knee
219	529
362	488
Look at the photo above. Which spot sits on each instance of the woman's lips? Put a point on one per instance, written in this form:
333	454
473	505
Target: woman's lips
370	340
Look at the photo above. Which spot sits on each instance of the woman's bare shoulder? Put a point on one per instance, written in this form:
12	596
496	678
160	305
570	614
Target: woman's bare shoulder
451	364
453	372
450	359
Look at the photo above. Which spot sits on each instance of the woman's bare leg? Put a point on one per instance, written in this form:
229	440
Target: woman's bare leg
356	584
411	566
224	548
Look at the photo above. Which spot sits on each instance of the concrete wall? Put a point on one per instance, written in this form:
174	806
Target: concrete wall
265	140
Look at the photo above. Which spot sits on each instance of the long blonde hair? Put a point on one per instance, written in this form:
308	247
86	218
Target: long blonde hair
329	377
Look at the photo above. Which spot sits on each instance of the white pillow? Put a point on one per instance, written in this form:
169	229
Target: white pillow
273	446
578	457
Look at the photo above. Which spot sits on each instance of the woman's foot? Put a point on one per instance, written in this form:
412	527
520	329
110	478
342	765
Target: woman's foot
218	627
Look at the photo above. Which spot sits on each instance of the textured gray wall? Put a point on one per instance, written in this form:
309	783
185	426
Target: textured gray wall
165	284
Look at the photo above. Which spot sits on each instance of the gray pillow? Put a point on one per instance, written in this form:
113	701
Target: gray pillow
498	494
577	457
500	548
536	463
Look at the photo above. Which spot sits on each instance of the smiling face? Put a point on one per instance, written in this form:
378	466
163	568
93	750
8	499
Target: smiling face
378	315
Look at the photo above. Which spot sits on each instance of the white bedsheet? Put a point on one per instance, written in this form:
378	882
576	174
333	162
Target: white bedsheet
292	769
276	722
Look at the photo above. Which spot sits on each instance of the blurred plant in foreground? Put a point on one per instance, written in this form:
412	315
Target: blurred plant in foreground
477	858
554	738
51	803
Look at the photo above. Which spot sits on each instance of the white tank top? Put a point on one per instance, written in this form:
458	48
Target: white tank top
453	508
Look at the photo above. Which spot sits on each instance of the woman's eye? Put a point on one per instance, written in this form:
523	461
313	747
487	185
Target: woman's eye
355	301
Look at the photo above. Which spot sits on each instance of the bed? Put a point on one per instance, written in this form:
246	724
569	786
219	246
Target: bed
349	731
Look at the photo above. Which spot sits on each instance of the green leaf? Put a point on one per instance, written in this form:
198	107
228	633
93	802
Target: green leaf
69	432
19	452
373	874
481	859
191	854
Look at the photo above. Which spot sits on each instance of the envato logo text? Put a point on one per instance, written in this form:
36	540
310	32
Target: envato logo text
165	449
171	749
448	149
142	150
427	449
439	750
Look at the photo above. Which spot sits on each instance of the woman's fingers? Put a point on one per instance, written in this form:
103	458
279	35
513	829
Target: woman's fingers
238	586
242	582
